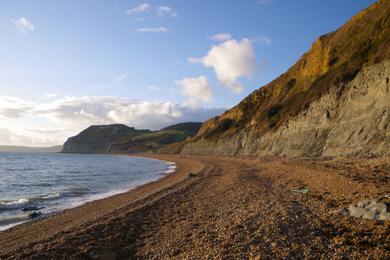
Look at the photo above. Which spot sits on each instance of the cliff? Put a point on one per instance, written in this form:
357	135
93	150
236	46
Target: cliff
335	101
123	139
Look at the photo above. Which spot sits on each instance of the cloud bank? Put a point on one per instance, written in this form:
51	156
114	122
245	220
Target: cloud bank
73	114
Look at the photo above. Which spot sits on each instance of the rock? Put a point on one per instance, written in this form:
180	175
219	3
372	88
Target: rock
369	209
35	214
369	214
356	212
384	216
380	207
302	191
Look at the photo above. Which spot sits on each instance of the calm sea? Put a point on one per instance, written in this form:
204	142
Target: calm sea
33	185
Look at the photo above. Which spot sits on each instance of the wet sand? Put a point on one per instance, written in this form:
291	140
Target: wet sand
214	207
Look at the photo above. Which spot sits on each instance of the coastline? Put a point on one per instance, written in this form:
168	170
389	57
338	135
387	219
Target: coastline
26	201
229	207
69	218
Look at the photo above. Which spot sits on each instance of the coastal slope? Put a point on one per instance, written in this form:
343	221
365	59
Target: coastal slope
119	138
333	102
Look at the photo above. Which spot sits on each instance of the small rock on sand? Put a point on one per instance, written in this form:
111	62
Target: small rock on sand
369	209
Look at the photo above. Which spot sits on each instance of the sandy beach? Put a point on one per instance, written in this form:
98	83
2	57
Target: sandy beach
218	208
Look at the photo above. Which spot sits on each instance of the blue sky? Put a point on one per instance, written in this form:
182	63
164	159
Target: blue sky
67	64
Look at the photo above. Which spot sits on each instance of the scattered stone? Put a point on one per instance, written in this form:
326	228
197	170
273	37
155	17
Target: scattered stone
35	214
369	209
302	191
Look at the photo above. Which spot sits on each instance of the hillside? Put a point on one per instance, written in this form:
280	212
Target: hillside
335	101
123	139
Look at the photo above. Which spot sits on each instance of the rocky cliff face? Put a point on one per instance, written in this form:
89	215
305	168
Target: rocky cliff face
354	123
334	101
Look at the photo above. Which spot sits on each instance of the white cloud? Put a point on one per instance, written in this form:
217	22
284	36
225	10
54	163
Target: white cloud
262	39
230	60
153	29
8	137
139	9
120	77
221	37
13	107
73	114
51	95
196	89
24	25
166	11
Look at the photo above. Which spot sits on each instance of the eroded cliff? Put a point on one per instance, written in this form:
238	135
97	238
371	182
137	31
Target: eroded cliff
334	101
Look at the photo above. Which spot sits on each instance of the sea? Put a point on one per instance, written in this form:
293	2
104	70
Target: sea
35	185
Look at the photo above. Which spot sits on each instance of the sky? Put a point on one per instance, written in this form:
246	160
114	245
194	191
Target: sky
68	64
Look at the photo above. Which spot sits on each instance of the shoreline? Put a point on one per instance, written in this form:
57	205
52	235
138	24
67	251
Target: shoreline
226	207
17	220
137	193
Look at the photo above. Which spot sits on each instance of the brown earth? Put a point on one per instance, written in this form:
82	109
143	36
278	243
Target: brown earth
220	207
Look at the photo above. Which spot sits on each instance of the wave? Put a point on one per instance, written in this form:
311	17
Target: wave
13	204
171	168
4	221
21	203
48	196
9	221
52	194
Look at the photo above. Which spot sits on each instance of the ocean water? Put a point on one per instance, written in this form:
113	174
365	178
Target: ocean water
33	185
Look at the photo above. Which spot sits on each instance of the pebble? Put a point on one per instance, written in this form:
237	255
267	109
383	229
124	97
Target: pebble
369	209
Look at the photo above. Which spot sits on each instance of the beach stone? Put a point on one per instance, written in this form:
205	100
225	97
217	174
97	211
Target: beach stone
365	203
381	207
384	216
35	214
302	191
369	214
369	209
356	212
